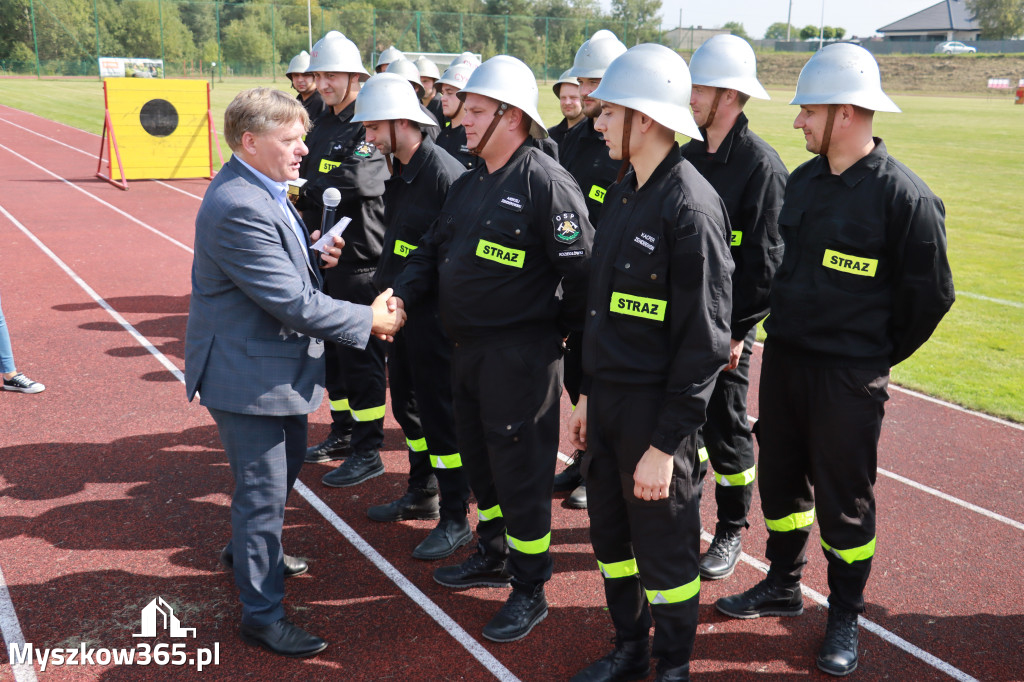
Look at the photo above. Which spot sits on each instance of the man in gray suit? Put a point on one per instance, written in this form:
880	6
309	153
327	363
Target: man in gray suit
254	349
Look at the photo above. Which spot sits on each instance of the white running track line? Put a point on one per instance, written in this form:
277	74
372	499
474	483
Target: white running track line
871	626
433	610
8	618
919	486
10	628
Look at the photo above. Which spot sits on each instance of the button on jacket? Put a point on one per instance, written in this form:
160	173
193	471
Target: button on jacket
660	298
500	247
584	154
751	179
340	157
413	197
865	278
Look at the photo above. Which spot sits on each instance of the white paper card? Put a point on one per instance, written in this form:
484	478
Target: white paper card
328	239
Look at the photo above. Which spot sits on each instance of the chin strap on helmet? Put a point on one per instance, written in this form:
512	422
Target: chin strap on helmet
826	137
502	108
714	109
627	128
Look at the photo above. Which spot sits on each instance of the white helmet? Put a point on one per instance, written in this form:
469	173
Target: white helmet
596	54
727	61
466	58
653	80
843	73
564	79
298	64
457	76
427	68
387	97
407	70
389	55
336	53
508	80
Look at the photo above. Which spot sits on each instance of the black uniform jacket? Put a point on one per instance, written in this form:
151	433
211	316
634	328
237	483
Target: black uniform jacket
501	246
660	294
314	105
865	278
584	154
557	132
340	157
453	141
751	179
437	110
412	201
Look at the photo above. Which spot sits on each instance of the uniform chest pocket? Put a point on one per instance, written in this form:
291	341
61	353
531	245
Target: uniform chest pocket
504	239
640	289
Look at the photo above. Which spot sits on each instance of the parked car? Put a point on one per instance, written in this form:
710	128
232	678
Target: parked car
954	47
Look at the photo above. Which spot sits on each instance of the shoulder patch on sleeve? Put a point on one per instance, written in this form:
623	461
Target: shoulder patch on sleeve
364	150
567	227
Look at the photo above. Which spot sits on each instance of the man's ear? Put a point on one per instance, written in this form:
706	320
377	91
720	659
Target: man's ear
249	142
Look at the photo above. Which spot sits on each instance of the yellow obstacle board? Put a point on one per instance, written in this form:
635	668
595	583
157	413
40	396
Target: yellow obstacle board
161	128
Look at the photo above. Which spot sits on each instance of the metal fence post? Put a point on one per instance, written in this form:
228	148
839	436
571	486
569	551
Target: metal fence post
35	41
273	45
96	19
160	14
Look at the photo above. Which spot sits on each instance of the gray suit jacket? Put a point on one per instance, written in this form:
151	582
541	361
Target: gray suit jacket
257	315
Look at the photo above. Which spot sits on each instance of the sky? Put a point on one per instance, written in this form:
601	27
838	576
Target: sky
861	18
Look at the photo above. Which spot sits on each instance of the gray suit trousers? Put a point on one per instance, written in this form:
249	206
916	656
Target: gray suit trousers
265	453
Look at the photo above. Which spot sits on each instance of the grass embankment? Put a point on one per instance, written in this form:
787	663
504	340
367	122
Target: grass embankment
968	149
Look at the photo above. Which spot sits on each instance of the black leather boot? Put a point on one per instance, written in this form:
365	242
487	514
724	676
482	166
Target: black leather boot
333	447
627	661
673	673
359	467
450	534
479	570
526	606
720	559
570	476
415	504
838	654
763	599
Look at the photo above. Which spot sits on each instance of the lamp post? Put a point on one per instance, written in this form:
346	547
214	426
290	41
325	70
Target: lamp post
789	20
821	26
213	66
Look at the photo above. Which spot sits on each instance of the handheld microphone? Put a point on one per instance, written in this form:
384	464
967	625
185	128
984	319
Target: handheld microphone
332	197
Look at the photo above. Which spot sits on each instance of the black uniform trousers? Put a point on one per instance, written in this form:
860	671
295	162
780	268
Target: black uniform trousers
355	379
506	391
726	439
818	434
647	549
420	379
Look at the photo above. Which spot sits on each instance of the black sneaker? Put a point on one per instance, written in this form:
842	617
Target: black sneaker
333	447
22	384
763	599
478	570
721	558
526	607
627	661
361	466
448	536
570	476
415	504
838	654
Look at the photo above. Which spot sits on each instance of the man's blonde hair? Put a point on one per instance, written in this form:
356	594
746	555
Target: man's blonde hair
260	110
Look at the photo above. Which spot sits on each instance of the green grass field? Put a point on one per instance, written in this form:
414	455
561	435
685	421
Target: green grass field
969	150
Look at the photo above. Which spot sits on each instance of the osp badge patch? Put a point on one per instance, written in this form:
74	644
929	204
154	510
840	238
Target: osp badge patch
567	227
364	150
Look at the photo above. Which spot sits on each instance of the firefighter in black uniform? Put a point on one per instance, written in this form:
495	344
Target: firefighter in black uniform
419	364
452	137
656	336
585	155
511	235
407	70
863	283
430	98
339	157
305	84
567	90
751	178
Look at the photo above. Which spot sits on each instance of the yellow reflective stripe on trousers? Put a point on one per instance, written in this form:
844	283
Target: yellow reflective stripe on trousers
500	254
702	455
597	193
369	414
676	594
538	546
418	445
340	405
791	522
489	514
446	461
740	479
854	554
638	306
865	267
403	249
618	569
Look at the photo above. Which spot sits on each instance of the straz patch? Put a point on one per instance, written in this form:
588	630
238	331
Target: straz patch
513	202
403	249
865	267
567	227
500	254
736	238
645	241
364	150
638	306
575	253
327	166
597	193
